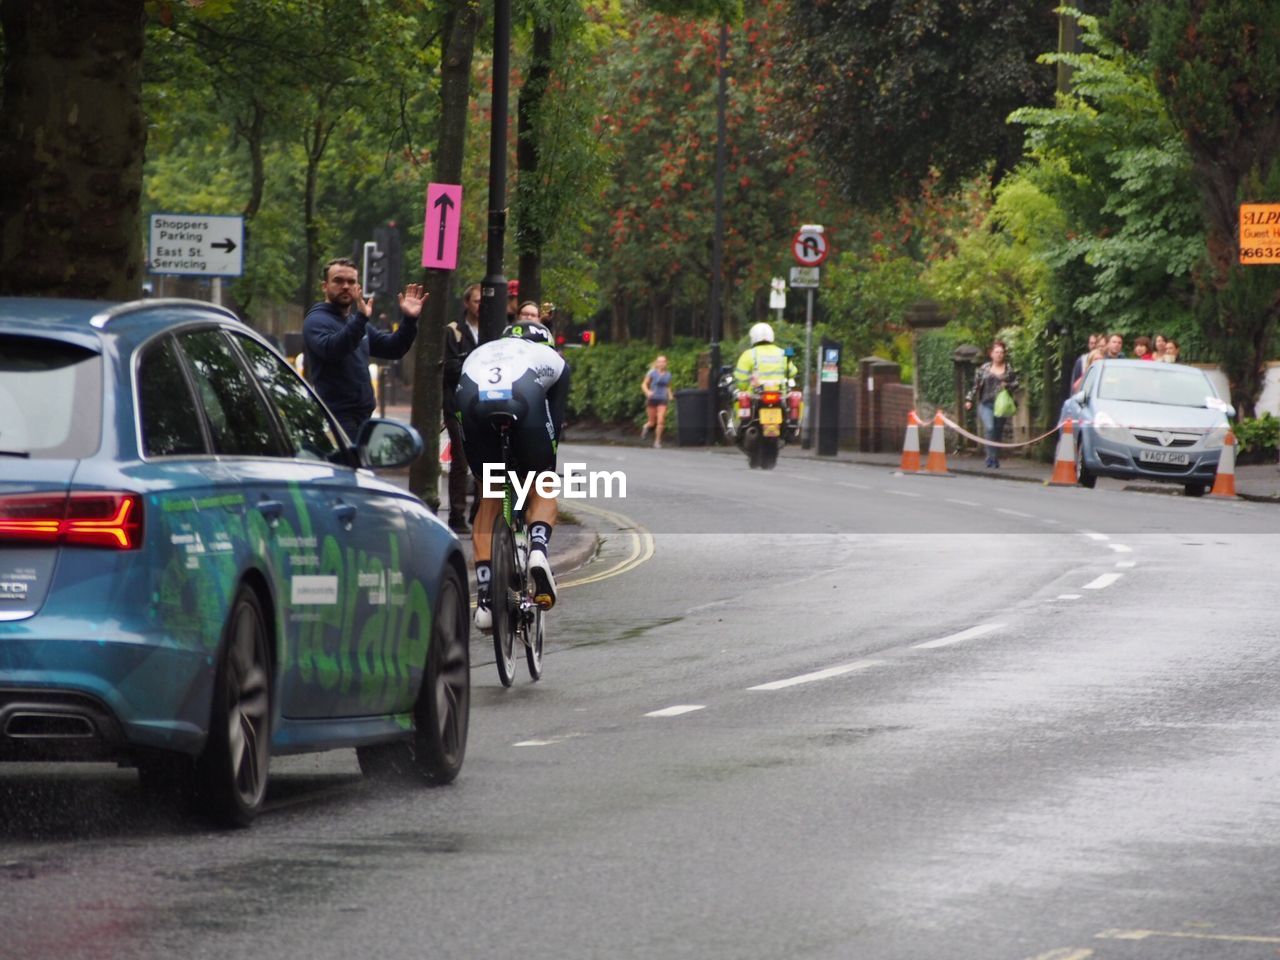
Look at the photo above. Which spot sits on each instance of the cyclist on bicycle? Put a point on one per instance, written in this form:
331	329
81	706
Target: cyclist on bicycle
519	378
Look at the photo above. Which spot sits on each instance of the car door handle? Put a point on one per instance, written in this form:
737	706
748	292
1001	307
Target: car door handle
271	509
345	513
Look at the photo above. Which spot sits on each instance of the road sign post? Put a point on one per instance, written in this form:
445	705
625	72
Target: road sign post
196	245
810	247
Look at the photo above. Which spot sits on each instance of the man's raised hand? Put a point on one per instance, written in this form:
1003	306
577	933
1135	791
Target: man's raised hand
412	299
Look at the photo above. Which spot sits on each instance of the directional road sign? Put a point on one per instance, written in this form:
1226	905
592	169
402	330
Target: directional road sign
810	246
196	244
440	230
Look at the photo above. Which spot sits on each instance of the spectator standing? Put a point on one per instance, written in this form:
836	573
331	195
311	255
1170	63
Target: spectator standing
1171	352
1082	361
1115	347
1142	349
992	377
1159	342
1096	354
460	338
513	294
656	387
340	341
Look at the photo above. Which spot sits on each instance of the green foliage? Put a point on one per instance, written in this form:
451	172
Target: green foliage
604	382
1217	68
1109	168
1257	441
936	373
867	296
893	92
652	238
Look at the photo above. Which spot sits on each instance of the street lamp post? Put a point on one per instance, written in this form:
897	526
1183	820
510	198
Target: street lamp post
717	242
493	288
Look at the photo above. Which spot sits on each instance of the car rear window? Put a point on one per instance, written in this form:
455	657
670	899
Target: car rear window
1156	384
50	398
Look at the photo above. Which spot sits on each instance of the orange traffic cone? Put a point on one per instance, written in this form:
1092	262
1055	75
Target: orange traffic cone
1224	483
1064	464
937	462
911	445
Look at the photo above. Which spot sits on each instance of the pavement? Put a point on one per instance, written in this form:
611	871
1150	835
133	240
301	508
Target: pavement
1256	482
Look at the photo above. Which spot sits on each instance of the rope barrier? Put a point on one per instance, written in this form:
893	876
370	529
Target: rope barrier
995	443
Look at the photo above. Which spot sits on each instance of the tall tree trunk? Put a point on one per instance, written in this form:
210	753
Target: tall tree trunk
458	41
315	141
72	136
530	235
254	134
620	319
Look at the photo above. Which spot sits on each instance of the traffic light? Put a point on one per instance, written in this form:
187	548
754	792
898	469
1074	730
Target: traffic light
376	281
588	338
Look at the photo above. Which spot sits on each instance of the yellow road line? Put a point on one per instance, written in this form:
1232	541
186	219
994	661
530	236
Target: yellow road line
642	546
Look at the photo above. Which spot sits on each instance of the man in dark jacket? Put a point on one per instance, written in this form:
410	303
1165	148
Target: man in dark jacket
339	342
460	338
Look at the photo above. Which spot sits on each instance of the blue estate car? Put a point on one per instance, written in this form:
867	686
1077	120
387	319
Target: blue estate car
1138	419
198	570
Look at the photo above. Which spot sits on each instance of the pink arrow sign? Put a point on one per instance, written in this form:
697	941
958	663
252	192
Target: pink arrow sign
440	231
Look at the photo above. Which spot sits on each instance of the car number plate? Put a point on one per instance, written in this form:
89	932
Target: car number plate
770	415
1165	456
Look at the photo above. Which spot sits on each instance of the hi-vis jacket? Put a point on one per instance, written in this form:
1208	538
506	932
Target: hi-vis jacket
764	361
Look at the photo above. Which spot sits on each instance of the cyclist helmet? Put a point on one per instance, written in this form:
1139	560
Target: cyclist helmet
761	333
533	332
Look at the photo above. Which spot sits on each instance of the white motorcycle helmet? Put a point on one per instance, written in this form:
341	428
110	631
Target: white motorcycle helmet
761	333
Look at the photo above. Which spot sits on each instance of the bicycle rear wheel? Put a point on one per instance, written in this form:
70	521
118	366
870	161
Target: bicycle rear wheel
504	599
533	637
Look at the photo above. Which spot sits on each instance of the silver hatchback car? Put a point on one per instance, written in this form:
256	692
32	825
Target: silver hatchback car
1136	419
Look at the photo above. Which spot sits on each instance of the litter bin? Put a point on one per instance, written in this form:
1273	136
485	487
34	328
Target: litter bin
691	417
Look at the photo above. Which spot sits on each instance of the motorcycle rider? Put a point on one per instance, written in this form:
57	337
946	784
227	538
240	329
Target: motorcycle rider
522	375
764	361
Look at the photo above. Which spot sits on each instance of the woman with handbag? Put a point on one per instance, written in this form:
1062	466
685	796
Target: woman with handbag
992	391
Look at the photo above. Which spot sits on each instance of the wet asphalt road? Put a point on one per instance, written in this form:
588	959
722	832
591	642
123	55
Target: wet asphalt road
821	712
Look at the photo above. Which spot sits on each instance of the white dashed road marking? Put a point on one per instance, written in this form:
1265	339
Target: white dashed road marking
826	674
1015	513
1120	548
1106	580
1125	564
903	493
1068	596
963	503
677	710
1096	536
969	634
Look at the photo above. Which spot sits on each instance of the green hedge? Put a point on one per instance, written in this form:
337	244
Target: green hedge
605	379
1258	440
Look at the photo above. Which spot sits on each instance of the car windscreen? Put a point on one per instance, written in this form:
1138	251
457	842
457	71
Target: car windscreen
50	398
1155	384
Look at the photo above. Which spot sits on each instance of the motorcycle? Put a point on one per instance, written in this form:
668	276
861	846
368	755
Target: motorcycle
767	418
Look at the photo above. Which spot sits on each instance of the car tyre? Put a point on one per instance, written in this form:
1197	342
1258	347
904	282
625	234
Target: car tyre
433	754
1084	476
231	773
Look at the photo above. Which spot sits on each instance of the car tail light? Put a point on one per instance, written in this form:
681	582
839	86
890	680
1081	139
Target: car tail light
770	396
111	520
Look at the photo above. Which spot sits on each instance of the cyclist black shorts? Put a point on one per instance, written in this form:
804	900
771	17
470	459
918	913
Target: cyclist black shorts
531	430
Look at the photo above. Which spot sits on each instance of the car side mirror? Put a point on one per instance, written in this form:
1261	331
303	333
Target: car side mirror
388	444
1078	396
